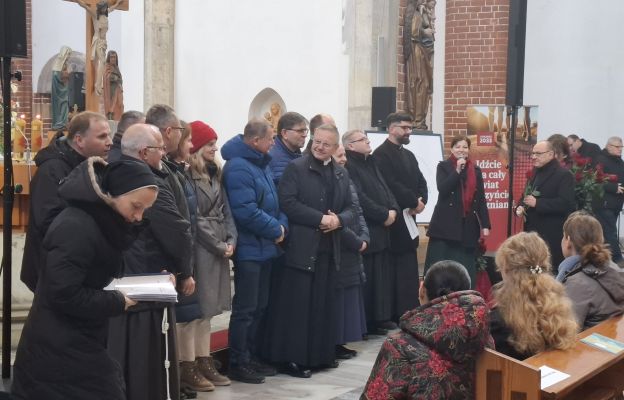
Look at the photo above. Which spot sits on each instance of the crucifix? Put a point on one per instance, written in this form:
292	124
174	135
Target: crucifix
97	27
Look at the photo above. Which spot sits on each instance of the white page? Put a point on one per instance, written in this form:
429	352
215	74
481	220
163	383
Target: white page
410	222
551	376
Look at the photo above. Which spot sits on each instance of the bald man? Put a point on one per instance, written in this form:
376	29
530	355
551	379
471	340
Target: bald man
547	211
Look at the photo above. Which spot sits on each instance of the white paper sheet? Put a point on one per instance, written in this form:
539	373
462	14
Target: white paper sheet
551	376
410	222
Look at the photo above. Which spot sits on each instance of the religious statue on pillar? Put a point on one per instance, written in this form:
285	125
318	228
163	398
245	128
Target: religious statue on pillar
419	28
59	92
99	17
113	88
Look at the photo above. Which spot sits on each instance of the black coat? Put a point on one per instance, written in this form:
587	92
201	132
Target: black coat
399	168
375	198
351	239
555	202
302	197
448	222
589	150
54	163
612	165
166	244
62	351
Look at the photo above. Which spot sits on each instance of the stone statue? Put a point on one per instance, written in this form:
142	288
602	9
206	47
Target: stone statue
274	115
418	52
113	88
99	18
60	89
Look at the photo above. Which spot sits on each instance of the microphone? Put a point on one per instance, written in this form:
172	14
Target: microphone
463	165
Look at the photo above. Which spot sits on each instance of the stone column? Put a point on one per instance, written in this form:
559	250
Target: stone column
159	52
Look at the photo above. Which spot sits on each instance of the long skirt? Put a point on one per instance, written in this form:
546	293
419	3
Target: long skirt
136	341
350	315
440	249
301	325
378	287
405	282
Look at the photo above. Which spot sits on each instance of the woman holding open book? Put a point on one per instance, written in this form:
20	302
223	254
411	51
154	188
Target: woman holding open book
62	353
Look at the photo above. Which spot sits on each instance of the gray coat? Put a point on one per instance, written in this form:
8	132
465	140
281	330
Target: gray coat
597	294
215	229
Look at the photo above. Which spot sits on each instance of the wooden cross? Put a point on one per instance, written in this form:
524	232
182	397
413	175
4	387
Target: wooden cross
92	98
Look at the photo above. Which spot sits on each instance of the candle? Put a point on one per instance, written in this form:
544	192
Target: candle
18	138
36	129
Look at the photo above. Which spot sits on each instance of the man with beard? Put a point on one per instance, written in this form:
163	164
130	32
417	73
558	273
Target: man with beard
408	185
380	212
551	199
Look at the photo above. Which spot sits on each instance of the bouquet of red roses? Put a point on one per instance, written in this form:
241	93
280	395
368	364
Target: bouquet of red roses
589	182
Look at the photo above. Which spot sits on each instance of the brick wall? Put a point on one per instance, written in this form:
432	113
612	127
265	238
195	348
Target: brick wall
476	59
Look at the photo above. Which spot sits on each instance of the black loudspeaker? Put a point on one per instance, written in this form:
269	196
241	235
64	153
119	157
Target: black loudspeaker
384	103
515	52
75	91
13	28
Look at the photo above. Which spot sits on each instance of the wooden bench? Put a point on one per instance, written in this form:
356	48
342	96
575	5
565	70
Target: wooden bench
595	374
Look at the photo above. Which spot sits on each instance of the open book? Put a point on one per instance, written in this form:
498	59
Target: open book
149	287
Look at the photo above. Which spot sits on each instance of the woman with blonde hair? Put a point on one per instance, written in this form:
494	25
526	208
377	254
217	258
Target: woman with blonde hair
593	282
532	312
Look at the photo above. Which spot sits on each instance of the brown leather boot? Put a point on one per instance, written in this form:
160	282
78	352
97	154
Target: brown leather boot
206	366
191	378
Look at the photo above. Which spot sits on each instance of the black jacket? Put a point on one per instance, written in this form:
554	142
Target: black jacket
407	183
54	163
62	351
448	220
612	165
166	243
302	197
375	198
351	239
555	202
590	150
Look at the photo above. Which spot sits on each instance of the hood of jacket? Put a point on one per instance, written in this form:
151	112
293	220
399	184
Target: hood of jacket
82	185
454	326
236	147
59	149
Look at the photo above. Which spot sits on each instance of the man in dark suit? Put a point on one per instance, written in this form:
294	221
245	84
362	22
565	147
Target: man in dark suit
551	201
584	148
408	185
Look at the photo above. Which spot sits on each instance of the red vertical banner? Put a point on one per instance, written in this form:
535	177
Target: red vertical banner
489	131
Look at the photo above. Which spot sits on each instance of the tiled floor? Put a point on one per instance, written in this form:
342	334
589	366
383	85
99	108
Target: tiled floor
343	383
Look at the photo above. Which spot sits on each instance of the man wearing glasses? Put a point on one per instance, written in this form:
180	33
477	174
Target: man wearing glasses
399	168
607	213
380	212
292	131
551	201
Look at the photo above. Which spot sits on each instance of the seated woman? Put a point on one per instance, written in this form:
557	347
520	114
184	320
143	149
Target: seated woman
433	356
593	282
532	312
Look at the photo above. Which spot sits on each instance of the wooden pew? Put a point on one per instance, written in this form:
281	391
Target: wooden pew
595	374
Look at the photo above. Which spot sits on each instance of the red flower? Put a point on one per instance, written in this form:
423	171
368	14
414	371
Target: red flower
453	315
578	176
612	178
438	365
529	174
581	161
378	389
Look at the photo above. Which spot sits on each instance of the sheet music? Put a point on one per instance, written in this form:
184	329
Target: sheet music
150	287
410	222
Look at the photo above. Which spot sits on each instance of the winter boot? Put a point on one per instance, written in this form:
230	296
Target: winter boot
206	366
190	377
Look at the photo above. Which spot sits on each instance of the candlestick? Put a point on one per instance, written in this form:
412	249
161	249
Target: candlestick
18	139
36	130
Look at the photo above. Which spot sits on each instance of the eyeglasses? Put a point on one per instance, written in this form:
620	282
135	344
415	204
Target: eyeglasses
302	131
160	148
177	128
364	139
539	153
322	144
616	146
